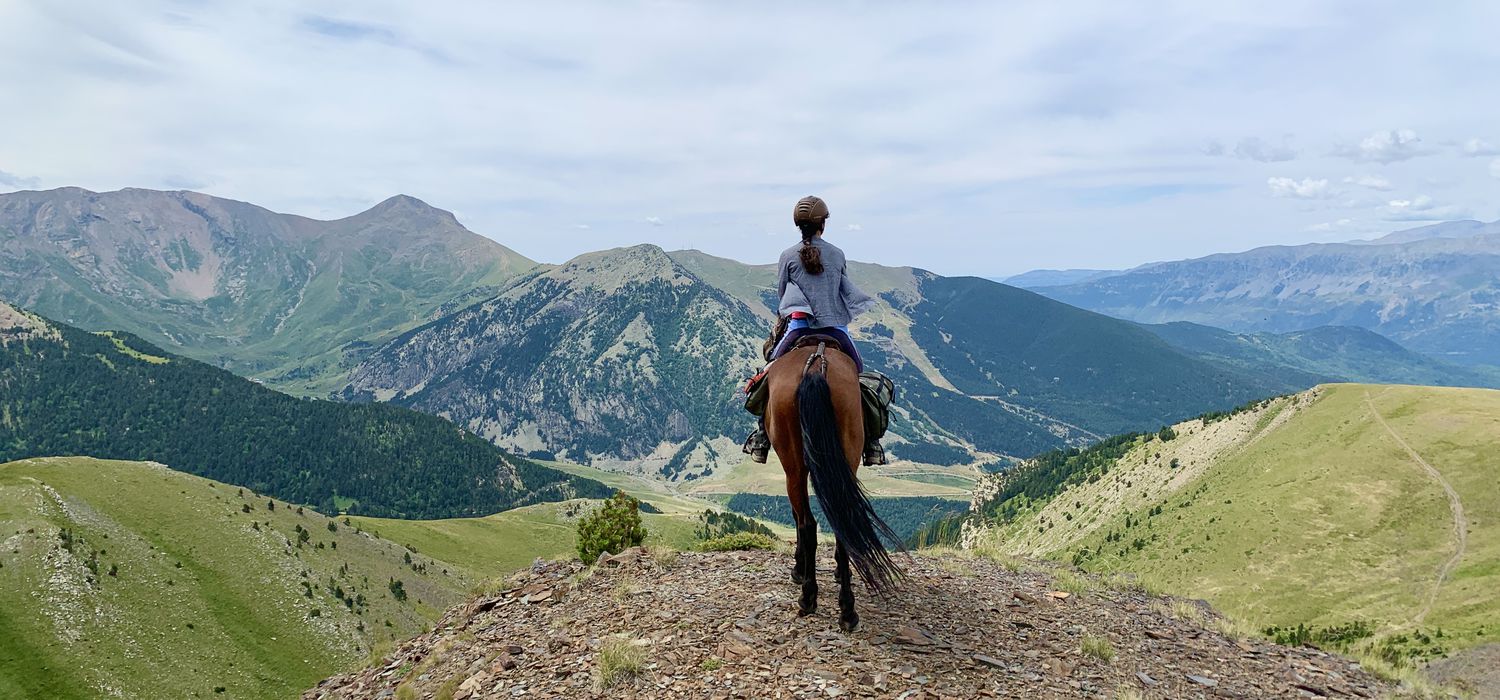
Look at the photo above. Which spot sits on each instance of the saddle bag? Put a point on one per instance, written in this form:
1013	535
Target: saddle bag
875	390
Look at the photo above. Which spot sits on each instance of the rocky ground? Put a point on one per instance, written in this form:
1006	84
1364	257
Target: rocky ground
725	626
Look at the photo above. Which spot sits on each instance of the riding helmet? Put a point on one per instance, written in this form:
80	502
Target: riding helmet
809	209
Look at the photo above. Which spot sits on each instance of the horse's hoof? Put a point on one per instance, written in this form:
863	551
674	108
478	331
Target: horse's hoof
849	624
798	579
804	611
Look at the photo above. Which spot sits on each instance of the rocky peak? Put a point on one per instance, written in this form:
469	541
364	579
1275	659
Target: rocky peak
610	270
725	625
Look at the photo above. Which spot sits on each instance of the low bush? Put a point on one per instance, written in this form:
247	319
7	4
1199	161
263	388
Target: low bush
613	528
737	542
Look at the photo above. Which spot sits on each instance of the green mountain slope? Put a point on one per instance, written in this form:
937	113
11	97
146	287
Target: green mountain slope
128	579
1323	354
1351	504
264	294
71	392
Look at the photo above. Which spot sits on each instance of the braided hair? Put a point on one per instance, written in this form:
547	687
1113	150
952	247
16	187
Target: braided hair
809	215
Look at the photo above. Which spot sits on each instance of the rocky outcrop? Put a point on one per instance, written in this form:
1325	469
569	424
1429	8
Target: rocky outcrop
725	626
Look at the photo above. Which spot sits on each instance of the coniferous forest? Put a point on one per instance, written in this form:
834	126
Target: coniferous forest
114	396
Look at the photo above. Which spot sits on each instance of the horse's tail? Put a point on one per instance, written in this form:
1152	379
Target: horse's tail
845	506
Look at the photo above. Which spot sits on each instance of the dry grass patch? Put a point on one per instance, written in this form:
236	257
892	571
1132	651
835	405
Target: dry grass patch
1097	647
619	659
1070	582
624	588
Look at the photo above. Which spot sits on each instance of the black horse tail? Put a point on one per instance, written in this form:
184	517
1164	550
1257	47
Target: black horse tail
845	506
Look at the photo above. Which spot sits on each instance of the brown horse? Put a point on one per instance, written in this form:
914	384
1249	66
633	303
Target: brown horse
816	426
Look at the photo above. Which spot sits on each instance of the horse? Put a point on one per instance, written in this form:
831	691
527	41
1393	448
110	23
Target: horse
815	421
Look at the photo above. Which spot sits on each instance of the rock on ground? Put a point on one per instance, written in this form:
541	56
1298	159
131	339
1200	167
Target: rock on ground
725	626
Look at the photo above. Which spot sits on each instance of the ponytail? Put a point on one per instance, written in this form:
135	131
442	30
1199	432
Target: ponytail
812	258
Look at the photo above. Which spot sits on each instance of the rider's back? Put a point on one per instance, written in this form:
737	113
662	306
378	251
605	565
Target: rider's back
820	295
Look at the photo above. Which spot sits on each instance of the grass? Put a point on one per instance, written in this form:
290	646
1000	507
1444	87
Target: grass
1321	520
751	477
619	659
235	613
1072	583
1096	647
499	544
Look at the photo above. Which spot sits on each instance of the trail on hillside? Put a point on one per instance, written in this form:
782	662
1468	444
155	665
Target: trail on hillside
1460	521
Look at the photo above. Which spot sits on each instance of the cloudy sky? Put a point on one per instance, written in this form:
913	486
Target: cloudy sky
966	138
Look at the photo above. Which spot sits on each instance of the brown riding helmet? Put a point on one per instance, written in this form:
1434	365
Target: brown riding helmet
809	209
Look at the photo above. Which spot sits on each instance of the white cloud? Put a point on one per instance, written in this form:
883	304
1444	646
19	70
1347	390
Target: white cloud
17	181
582	227
1306	188
1386	147
654	220
1480	147
854	227
1374	182
1331	225
1422	208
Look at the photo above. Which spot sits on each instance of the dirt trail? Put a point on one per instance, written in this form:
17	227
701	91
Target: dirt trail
1460	521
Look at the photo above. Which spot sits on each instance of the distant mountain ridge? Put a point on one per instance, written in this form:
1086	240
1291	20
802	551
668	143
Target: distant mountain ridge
1435	290
276	296
630	357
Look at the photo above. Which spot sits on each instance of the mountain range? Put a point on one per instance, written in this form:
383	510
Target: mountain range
1434	289
267	295
627	358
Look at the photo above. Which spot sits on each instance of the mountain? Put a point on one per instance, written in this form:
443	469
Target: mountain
131	580
111	395
1433	290
1365	516
1055	278
629	358
1322	354
276	296
707	625
1447	229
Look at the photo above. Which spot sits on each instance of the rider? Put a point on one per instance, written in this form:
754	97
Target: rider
816	298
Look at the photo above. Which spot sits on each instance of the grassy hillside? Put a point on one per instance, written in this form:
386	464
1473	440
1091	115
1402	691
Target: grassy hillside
71	392
1328	509
129	579
484	548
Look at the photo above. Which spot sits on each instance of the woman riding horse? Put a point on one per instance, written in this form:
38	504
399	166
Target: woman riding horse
816	298
814	417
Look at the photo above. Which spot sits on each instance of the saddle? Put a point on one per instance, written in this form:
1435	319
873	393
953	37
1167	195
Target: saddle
812	340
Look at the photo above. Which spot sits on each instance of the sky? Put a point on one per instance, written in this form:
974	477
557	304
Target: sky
965	138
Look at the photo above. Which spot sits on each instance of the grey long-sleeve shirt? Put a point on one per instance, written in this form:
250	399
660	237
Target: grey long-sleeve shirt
829	297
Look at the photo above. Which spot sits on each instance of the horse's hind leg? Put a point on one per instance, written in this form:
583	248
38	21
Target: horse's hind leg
848	618
805	571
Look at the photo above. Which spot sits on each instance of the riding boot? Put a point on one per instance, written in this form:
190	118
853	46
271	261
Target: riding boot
874	454
758	445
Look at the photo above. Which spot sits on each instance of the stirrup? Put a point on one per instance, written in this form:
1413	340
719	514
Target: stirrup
874	455
758	449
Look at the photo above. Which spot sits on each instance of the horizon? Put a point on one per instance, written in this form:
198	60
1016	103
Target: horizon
973	141
770	261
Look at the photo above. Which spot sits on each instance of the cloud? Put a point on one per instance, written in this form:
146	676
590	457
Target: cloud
1422	208
1307	188
1385	147
1254	148
1257	149
1331	225
654	220
18	181
1495	168
854	227
582	227
1374	182
1480	147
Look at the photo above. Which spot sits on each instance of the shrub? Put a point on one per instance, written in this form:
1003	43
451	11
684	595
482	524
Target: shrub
736	542
613	528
